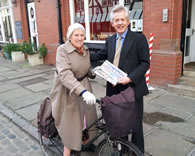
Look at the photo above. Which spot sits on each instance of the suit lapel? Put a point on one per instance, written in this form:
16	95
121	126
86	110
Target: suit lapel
126	46
112	48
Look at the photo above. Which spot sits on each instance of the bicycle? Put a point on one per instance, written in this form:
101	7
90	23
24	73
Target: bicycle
106	147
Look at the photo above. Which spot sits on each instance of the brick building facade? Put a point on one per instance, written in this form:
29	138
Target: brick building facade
52	21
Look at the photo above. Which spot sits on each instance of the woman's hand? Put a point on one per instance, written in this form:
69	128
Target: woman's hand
89	98
96	68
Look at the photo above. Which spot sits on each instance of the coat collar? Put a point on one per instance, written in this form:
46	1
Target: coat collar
112	45
70	48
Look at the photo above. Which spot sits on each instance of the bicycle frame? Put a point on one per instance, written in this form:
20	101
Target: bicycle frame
100	126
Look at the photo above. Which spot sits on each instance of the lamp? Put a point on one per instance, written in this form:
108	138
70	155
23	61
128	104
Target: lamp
14	2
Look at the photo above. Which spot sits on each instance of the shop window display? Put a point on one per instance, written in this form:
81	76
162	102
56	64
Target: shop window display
7	25
4	3
6	33
99	15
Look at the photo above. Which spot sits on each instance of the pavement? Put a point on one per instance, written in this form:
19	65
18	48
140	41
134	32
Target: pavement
169	119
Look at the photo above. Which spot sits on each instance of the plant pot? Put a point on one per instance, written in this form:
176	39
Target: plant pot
17	56
35	59
7	55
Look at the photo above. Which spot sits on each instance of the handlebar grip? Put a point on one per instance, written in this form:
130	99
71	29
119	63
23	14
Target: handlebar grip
98	101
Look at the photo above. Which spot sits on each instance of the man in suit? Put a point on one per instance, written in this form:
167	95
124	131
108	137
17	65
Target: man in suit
129	51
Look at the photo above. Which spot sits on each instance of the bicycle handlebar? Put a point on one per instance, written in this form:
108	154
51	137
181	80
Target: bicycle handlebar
98	101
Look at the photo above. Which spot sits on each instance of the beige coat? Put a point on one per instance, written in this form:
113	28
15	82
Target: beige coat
68	107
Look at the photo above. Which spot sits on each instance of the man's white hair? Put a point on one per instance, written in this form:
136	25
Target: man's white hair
119	8
72	28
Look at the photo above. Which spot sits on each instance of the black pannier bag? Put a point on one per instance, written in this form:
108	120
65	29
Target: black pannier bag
45	120
120	113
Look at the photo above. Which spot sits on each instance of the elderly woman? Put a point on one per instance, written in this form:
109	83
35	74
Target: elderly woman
71	95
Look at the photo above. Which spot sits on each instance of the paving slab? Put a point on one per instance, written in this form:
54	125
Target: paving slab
152	108
38	87
2	78
180	102
8	87
184	129
166	143
15	74
148	129
191	120
154	94
25	101
176	112
32	81
21	79
4	69
29	113
15	93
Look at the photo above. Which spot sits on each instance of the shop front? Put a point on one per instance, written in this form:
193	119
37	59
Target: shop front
168	20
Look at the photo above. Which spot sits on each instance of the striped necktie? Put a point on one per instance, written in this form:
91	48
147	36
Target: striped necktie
117	52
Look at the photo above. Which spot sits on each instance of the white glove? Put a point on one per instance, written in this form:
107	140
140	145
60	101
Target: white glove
89	98
96	68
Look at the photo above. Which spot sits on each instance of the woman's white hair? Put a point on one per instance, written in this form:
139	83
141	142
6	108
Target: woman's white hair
119	8
72	28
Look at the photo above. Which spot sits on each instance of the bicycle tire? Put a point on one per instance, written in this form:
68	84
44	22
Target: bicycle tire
49	146
117	147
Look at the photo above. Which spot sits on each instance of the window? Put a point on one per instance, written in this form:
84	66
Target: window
4	3
7	25
94	15
6	21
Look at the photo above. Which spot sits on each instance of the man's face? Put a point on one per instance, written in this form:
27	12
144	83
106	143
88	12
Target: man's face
120	22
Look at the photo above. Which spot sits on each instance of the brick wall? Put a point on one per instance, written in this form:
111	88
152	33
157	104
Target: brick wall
20	15
47	24
165	67
166	60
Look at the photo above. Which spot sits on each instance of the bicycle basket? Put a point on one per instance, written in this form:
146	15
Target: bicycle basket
120	112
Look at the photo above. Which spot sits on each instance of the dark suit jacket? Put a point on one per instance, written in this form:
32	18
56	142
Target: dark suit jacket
134	60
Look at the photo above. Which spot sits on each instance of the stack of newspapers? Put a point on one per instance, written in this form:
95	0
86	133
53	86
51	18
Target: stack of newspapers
110	73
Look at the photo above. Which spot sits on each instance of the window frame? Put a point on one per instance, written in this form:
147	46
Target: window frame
10	7
87	23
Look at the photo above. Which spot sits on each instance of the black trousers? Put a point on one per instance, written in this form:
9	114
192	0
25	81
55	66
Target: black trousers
137	137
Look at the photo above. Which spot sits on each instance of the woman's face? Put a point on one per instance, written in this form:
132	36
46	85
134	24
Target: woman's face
77	38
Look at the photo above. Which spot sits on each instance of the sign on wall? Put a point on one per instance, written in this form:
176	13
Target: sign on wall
18	29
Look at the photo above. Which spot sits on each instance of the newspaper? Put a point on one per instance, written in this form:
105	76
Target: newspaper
110	72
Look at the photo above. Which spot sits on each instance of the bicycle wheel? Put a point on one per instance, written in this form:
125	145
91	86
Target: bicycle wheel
51	146
117	147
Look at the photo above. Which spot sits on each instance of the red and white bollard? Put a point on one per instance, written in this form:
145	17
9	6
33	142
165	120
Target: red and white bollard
148	72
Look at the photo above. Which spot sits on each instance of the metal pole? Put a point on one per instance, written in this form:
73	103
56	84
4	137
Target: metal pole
58	5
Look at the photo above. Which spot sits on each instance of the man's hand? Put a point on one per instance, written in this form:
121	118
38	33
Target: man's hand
124	80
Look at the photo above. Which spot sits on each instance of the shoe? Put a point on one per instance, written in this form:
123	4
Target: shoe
91	148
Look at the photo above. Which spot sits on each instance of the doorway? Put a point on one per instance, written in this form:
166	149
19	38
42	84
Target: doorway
32	24
189	50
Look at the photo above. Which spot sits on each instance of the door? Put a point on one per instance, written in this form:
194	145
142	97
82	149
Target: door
32	24
190	33
2	35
